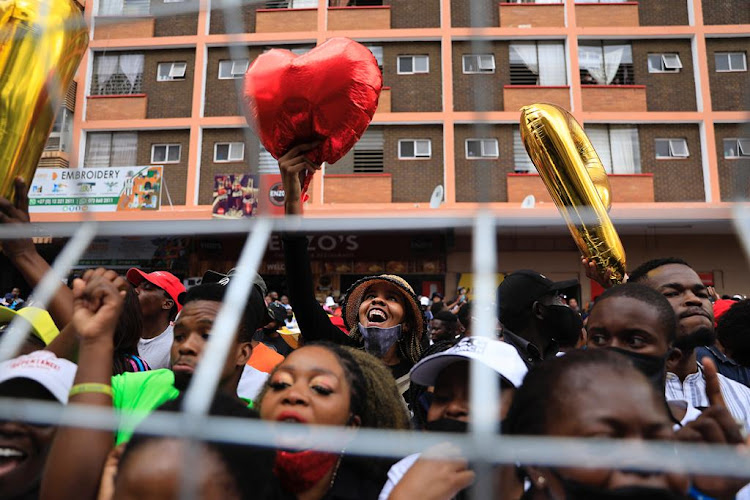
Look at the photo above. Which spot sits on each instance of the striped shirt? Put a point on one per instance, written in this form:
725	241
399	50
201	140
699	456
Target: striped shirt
693	390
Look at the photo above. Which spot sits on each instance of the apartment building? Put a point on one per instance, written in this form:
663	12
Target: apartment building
661	86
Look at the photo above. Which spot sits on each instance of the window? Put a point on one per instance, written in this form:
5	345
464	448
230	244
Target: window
267	164
522	164
736	148
225	152
110	149
671	148
605	63
534	1
117	74
479	63
409	65
730	61
377	51
664	63
166	153
617	146
481	148
601	1
229	69
61	134
537	63
169	71
414	148
124	7
368	152
292	4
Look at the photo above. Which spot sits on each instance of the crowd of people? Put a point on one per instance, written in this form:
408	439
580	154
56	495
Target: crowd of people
661	357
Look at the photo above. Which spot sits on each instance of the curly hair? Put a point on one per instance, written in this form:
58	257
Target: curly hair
374	397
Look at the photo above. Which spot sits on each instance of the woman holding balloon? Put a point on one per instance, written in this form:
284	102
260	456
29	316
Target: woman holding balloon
381	312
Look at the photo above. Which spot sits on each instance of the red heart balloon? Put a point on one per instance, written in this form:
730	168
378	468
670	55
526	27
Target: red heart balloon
328	94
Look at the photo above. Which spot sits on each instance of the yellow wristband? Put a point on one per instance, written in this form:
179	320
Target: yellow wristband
91	388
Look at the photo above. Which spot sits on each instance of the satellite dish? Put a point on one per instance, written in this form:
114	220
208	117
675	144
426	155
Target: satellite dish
437	196
528	202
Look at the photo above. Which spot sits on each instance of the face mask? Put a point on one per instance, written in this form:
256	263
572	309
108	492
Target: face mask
300	471
653	367
579	491
379	340
447	425
562	323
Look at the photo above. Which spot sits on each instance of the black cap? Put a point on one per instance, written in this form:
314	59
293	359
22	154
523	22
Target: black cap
277	312
520	289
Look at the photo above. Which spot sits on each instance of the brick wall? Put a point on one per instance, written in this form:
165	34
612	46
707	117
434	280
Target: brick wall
209	169
665	91
662	13
734	174
487	11
466	87
175	174
173	99
246	20
420	92
177	24
221	98
726	12
675	179
729	91
483	180
411	14
413	180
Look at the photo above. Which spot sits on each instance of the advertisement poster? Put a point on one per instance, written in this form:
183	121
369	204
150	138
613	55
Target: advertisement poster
235	196
107	189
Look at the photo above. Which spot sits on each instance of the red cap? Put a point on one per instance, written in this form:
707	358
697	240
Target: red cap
164	280
721	306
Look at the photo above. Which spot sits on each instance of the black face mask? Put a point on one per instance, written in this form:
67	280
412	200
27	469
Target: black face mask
579	491
447	425
653	367
562	323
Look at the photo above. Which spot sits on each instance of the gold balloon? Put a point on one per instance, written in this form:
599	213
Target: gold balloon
41	44
576	181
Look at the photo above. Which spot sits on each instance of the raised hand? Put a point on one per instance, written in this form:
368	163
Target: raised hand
715	426
16	213
438	475
593	273
97	301
294	167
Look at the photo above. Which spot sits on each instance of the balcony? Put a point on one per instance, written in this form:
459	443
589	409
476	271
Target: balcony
627	188
517	96
111	27
376	17
384	102
623	14
619	98
116	107
532	15
369	188
283	20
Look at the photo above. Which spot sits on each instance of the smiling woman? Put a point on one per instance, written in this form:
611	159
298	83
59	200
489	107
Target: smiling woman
327	384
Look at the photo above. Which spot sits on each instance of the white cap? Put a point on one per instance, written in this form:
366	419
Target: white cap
501	357
54	374
330	302
425	301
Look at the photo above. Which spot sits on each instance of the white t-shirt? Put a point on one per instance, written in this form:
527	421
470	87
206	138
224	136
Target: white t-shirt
396	473
156	351
251	383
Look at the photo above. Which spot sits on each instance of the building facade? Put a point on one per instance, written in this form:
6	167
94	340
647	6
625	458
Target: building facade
661	87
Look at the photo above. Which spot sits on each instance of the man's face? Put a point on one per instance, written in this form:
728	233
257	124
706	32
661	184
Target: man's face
274	296
451	396
191	332
16	292
573	303
629	324
151	298
440	330
687	294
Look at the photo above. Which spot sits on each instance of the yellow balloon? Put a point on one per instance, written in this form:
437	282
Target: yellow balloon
41	44
576	181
